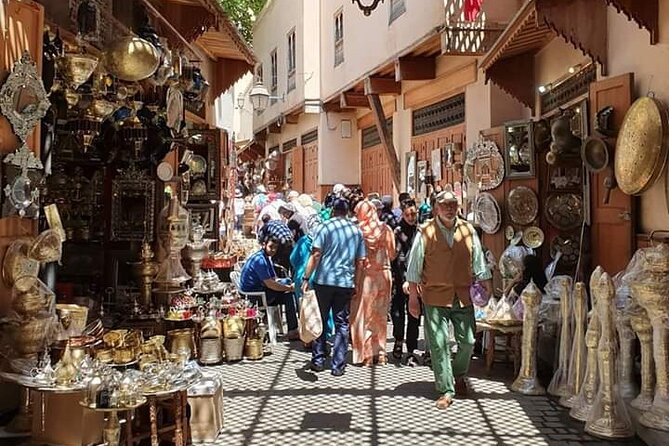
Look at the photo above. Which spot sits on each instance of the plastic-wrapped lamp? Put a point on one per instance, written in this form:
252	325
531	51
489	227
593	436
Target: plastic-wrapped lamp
527	382
578	351
558	385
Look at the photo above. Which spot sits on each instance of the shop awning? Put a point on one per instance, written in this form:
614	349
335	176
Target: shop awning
510	61
205	23
646	13
249	150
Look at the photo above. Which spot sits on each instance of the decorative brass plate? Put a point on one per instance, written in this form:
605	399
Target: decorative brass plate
533	237
523	205
564	211
641	149
569	246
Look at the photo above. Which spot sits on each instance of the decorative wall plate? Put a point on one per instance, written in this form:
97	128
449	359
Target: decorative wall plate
568	246
533	237
641	148
165	171
523	205
487	212
484	165
564	211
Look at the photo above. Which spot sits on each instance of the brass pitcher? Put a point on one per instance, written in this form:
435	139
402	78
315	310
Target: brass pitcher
558	385
644	331
182	343
608	416
651	291
526	382
586	396
578	352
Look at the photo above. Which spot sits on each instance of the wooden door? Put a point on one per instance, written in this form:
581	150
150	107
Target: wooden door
298	169
612	225
311	168
375	170
423	145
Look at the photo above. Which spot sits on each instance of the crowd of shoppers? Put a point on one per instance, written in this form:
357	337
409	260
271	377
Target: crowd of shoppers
367	260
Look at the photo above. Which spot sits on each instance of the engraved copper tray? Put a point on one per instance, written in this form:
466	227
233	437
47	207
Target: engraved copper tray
564	211
641	149
523	205
484	165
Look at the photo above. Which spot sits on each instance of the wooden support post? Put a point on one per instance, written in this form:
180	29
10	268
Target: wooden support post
386	139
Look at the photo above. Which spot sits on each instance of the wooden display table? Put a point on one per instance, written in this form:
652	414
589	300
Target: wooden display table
167	417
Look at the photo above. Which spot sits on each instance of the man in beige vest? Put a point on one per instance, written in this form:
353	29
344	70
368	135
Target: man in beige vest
446	257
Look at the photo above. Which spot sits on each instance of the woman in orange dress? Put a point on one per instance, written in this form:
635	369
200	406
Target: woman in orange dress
369	307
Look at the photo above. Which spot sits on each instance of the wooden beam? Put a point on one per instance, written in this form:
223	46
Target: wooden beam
415	68
351	99
382	85
386	139
293	118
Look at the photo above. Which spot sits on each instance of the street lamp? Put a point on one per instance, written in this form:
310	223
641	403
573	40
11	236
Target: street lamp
240	101
369	7
260	97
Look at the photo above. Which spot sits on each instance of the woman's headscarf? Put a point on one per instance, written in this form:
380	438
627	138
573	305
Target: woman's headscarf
368	221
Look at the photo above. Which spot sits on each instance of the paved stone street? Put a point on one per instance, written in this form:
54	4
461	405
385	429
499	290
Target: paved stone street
276	401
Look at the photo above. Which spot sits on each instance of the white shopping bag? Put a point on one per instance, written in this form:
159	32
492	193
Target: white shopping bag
311	324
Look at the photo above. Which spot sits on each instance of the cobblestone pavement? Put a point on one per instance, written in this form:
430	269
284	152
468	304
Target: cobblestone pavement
275	401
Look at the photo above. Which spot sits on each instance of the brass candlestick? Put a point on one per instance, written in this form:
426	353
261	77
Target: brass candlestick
145	270
578	352
586	396
651	291
644	331
558	385
608	416
526	382
628	388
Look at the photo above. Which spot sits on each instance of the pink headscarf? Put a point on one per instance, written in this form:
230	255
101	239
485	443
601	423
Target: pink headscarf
368	221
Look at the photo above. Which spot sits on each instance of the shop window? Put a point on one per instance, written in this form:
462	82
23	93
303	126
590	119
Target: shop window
437	116
291	61
309	137
339	38
397	8
371	137
274	86
289	145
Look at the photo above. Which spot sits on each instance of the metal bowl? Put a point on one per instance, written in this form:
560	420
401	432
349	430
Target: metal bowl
132	59
77	68
595	154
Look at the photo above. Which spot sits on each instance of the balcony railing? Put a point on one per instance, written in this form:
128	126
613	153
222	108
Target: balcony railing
470	38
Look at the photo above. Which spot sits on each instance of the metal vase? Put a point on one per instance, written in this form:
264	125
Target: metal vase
527	382
644	331
608	416
211	351
586	396
627	385
558	385
578	350
652	293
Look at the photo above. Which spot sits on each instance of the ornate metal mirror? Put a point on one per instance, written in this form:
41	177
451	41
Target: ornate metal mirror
132	206
23	97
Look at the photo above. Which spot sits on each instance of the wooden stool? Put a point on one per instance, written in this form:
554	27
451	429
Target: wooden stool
513	335
174	404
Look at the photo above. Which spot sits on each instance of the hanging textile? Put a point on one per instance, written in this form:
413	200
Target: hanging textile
472	9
